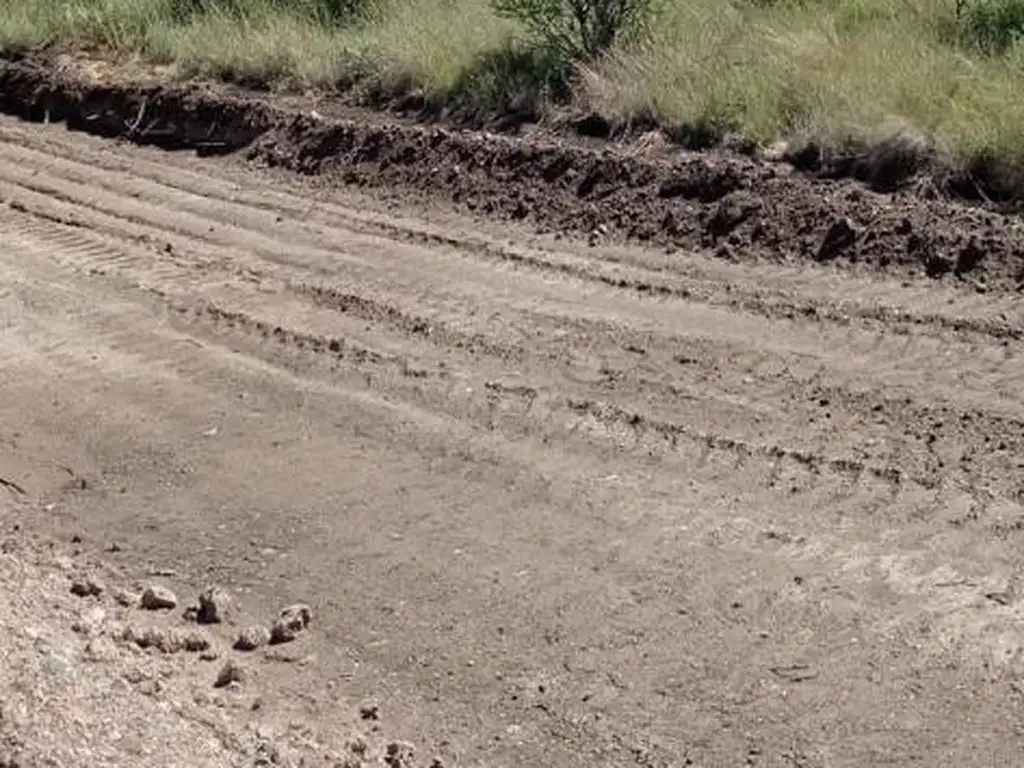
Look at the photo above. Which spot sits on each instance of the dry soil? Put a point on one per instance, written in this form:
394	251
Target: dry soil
554	499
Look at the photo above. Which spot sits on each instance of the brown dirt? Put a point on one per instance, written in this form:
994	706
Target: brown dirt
737	207
550	503
90	680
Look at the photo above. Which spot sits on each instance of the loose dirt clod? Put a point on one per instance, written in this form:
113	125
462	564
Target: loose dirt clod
231	672
155	598
293	620
399	755
251	638
839	237
215	606
87	587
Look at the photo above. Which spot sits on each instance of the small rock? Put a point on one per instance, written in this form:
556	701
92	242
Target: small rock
126	598
268	753
937	265
231	672
370	712
86	587
251	638
215	606
292	621
195	642
840	237
210	654
970	256
155	598
399	755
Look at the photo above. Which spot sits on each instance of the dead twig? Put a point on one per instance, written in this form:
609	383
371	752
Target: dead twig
134	127
13	486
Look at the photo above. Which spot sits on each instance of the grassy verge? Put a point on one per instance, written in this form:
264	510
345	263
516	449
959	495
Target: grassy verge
768	68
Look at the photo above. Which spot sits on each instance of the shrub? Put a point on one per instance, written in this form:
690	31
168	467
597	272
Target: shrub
991	26
579	29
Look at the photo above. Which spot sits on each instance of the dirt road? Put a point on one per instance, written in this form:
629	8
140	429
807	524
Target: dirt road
552	504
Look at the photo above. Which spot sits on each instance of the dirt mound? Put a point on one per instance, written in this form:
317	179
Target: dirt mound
739	207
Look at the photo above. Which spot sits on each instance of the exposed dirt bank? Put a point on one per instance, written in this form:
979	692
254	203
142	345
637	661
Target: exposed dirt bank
738	207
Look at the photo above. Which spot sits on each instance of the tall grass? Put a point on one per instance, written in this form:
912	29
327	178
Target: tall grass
770	68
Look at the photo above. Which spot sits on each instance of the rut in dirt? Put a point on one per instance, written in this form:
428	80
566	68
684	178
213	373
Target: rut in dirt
547	500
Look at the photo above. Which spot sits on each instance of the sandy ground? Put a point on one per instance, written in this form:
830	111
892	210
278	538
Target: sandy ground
755	515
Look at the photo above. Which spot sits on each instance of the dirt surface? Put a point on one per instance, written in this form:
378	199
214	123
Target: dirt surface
737	207
92	677
549	502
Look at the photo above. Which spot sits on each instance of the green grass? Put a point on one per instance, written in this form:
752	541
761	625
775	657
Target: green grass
769	68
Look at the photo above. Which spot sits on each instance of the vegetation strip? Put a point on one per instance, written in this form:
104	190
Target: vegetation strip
944	76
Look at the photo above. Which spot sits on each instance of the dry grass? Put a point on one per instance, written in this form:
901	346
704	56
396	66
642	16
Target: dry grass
834	68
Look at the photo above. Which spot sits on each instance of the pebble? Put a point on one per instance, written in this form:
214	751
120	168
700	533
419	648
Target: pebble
231	672
215	606
86	587
293	620
251	638
399	755
155	598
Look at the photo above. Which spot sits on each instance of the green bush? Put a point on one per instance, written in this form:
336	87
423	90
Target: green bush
991	26
579	29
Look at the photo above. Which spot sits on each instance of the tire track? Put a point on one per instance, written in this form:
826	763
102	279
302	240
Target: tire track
498	405
654	508
914	350
626	369
988	316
